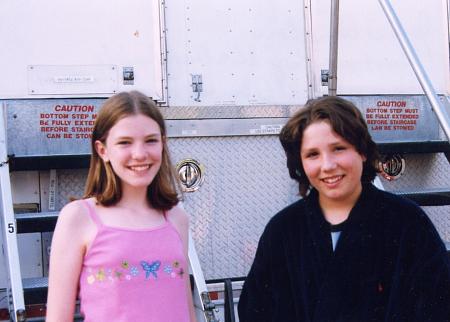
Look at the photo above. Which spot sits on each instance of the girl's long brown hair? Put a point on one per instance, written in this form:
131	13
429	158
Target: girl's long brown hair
102	183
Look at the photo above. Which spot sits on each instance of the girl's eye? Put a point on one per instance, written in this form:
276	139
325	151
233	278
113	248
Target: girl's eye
123	142
152	141
340	148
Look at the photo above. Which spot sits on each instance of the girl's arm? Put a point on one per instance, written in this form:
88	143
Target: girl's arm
181	221
66	258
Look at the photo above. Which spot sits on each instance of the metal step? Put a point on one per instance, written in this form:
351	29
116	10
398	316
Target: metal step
414	147
428	197
45	162
36	222
35	290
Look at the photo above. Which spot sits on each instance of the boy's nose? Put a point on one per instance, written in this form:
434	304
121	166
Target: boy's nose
329	163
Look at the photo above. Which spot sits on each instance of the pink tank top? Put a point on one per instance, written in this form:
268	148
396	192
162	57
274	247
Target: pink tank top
134	275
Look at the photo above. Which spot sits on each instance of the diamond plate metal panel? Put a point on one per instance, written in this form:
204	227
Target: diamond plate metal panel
422	171
223	112
246	183
440	216
70	185
426	171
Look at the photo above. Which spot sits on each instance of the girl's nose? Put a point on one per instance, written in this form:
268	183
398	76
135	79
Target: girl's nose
138	152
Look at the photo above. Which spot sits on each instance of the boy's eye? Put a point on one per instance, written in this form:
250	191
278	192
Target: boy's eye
154	140
311	155
123	142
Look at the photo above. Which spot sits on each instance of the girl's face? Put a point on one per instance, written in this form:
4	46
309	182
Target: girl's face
134	148
332	165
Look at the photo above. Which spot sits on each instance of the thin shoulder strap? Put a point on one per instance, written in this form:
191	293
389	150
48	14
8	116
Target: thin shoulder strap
92	213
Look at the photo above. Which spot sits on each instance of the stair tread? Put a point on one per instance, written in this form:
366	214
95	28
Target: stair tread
413	147
445	190
33	215
35	283
36	222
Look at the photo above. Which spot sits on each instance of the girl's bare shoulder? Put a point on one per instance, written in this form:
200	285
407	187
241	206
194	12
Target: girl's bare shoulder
178	215
75	215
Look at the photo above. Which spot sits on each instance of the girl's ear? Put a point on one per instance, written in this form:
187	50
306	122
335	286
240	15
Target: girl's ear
101	150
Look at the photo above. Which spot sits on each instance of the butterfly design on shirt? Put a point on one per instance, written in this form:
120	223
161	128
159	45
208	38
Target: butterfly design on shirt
151	269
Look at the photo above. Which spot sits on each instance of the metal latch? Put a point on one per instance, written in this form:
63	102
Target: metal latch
324	76
191	174
392	166
197	86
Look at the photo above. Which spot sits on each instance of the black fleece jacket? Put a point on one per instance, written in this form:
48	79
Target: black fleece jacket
389	265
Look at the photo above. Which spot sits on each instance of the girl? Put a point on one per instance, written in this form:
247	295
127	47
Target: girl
123	248
347	251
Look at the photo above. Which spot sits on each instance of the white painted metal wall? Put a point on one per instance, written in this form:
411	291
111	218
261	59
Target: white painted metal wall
248	52
370	59
79	48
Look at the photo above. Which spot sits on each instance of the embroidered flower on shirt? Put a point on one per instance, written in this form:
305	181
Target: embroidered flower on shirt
126	271
118	274
168	269
100	275
134	271
91	279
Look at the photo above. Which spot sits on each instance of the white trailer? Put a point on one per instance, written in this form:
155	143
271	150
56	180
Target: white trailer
226	75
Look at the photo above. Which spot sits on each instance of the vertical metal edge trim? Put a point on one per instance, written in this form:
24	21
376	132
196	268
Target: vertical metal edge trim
447	5
200	289
311	80
163	46
334	38
9	237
